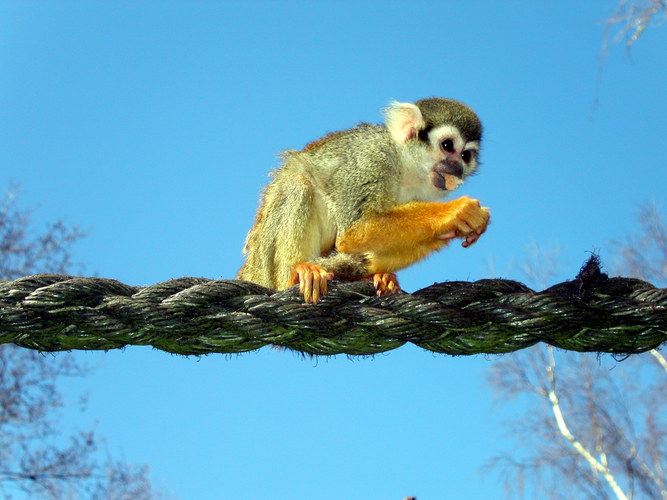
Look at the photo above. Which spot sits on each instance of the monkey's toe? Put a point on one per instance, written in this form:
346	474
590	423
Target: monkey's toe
386	284
312	280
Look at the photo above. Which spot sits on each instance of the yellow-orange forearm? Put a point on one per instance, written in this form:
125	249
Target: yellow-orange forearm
407	233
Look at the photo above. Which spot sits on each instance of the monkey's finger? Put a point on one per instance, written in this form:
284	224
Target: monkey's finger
465	228
447	236
473	237
470	239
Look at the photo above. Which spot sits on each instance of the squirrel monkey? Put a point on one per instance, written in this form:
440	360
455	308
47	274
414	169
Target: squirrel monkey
360	203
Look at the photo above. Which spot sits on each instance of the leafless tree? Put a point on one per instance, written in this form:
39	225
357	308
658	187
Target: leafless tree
37	458
630	19
592	427
23	252
645	255
627	23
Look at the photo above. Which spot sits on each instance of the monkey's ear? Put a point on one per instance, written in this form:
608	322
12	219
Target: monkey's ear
404	121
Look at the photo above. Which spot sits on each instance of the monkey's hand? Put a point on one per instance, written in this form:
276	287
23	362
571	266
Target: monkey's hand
312	280
466	218
394	239
386	284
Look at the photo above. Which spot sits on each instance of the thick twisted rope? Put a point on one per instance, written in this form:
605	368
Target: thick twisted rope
52	312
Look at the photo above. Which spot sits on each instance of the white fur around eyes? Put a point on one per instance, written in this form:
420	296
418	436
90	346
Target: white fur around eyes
443	132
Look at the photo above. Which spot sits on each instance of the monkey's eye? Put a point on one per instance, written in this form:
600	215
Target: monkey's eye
447	146
466	156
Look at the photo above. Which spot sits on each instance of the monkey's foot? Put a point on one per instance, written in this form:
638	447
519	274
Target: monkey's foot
386	284
312	280
470	221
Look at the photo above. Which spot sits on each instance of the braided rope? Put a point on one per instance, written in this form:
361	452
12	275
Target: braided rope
52	312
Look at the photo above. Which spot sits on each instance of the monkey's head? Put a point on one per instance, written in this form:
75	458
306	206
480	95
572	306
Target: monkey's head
443	137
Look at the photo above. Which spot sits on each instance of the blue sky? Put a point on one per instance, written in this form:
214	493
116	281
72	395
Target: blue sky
154	126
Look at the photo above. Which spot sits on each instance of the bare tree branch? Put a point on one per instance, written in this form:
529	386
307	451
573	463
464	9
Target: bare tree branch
35	458
630	19
24	252
644	255
599	466
660	359
628	22
595	428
